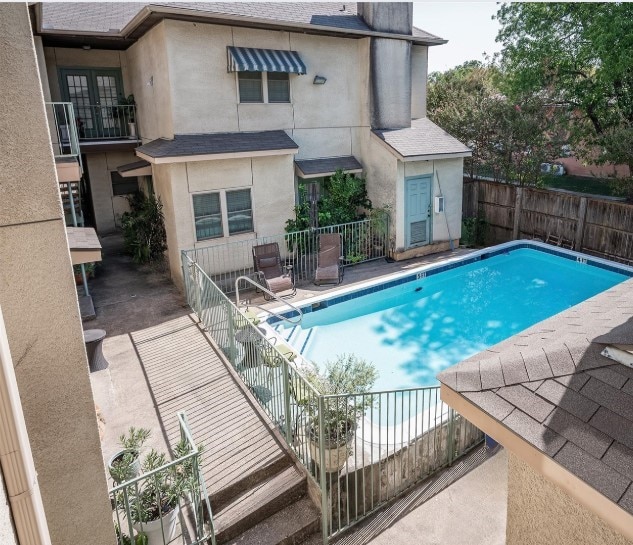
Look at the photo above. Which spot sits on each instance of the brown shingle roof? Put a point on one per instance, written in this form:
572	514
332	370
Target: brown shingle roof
551	386
423	138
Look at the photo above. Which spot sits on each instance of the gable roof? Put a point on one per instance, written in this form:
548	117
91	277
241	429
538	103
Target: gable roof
551	386
128	21
423	138
191	145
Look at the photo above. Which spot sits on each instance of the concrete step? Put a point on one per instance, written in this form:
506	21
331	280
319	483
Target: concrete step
249	480
258	503
314	539
290	526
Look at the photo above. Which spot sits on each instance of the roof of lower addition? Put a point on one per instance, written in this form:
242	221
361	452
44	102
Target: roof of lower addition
551	386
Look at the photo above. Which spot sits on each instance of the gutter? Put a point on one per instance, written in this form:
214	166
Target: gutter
16	459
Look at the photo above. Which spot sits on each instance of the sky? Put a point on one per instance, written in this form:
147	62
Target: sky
466	25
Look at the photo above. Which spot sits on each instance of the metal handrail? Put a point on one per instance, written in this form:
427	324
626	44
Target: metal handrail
270	294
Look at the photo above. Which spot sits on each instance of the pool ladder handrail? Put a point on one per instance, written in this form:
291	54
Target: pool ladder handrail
270	294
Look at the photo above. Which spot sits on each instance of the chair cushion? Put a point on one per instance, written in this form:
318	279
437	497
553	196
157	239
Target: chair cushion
280	283
327	273
266	262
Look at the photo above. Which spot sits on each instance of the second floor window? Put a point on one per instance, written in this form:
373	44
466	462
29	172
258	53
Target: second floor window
278	87
207	215
250	84
239	211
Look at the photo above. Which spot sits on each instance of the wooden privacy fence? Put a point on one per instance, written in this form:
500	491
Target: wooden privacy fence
599	227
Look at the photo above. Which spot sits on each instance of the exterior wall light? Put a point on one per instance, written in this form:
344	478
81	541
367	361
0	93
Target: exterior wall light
319	80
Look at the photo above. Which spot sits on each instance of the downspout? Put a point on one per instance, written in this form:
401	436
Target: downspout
16	458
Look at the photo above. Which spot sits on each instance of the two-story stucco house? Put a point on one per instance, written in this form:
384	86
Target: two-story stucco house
238	105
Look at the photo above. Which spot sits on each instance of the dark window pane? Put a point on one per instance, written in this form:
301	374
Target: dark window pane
123	186
240	212
250	86
278	87
207	215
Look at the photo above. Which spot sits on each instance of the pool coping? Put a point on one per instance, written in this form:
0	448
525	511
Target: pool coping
336	296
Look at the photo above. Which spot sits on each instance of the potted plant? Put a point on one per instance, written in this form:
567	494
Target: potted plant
125	464
90	272
125	110
346	375
154	502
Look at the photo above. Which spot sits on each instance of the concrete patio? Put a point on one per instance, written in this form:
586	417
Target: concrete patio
161	362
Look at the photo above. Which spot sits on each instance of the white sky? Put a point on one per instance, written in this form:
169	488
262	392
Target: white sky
466	25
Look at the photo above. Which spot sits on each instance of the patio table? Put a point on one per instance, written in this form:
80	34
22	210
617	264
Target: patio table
93	339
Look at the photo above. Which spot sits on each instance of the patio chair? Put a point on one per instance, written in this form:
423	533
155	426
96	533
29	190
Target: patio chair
330	260
272	274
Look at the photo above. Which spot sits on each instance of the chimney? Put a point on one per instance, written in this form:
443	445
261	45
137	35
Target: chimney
390	63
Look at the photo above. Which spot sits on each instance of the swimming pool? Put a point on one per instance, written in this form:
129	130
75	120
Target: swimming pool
415	325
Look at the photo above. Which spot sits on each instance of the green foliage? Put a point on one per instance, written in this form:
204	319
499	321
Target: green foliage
343	200
509	139
144	233
135	438
474	231
121	469
89	267
578	54
348	374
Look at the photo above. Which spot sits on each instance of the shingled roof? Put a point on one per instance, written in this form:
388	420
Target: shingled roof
423	138
551	386
114	17
183	145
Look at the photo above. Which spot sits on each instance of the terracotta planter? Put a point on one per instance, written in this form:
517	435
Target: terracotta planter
154	529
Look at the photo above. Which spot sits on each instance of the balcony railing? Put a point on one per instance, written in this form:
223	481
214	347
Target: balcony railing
98	122
63	129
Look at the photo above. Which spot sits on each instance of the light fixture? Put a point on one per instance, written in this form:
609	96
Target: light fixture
319	80
85	46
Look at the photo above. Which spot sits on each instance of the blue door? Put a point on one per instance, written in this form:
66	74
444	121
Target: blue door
417	211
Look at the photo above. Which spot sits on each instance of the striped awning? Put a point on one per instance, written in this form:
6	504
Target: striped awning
248	59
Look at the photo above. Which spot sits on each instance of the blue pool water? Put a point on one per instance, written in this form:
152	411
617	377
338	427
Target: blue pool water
416	329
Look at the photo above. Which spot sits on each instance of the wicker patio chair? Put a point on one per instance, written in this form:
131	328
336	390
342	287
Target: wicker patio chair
330	260
272	274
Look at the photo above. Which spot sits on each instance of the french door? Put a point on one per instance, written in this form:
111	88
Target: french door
94	94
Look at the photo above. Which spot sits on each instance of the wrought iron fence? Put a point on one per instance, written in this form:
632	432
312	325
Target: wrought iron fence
392	439
175	490
363	240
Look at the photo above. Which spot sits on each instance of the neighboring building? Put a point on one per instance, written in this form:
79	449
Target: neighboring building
50	453
564	412
234	101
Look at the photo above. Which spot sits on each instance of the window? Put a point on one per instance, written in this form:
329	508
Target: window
278	87
123	186
207	214
250	84
312	188
239	211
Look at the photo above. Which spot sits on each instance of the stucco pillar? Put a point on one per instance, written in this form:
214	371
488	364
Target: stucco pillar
40	305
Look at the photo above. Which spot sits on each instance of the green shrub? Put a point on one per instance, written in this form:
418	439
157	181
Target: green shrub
474	230
144	233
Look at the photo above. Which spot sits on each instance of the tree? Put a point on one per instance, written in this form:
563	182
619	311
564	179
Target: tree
509	139
578	54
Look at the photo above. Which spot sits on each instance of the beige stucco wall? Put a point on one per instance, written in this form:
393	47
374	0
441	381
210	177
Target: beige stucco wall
270	178
65	57
419	75
451	179
107	207
40	306
149	79
540	513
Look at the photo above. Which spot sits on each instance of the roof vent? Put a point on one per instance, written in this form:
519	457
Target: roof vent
621	353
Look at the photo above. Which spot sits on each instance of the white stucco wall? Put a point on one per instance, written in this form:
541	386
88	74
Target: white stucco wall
7	532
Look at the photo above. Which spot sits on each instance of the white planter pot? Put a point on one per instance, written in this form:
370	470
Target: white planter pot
135	467
154	531
131	129
335	457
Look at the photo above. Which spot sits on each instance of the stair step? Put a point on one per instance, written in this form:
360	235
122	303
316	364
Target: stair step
224	496
290	526
314	539
258	503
